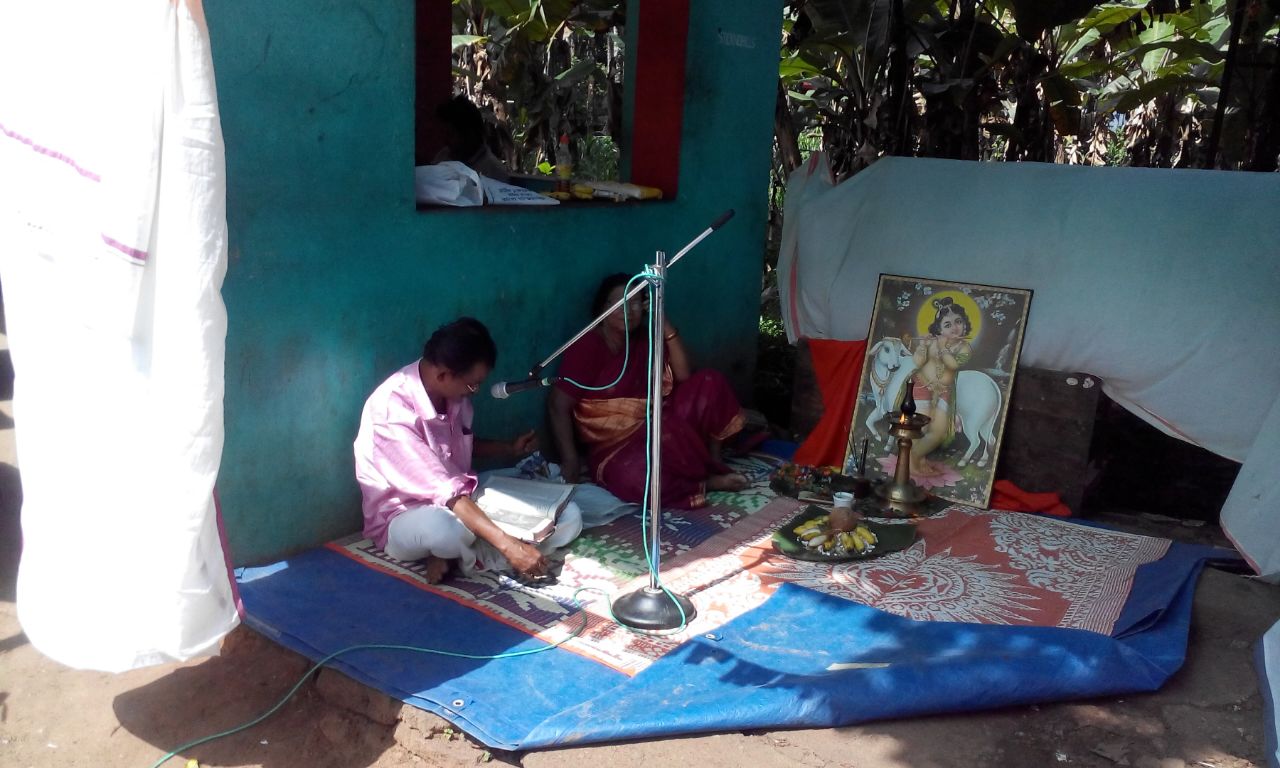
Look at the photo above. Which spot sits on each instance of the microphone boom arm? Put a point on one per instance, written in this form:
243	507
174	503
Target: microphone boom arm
536	371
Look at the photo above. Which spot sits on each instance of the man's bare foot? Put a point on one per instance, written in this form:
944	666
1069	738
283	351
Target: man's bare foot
734	481
436	569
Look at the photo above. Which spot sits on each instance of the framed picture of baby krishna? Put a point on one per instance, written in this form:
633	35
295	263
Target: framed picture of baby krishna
955	347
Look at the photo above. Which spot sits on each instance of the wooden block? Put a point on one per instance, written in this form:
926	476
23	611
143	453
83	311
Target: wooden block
1048	432
806	397
1141	469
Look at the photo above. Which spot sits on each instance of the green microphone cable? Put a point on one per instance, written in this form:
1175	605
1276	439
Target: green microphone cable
380	647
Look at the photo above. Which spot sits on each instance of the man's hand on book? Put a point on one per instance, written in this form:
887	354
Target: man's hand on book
525	558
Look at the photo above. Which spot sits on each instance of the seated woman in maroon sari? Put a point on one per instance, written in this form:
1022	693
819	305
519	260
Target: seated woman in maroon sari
699	410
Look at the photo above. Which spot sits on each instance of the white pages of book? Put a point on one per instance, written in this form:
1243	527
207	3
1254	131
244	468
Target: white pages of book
525	509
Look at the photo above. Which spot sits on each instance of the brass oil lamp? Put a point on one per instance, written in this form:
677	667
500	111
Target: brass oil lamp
901	494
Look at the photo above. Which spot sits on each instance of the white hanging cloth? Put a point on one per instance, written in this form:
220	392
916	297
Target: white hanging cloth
113	224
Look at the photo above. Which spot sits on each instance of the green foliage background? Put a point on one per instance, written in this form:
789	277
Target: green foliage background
1159	83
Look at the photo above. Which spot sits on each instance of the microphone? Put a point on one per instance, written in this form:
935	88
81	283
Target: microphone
724	219
504	389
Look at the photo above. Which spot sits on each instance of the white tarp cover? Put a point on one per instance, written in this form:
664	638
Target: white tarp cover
1165	284
112	253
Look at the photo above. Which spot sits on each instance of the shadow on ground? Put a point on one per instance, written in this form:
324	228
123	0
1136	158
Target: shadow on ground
6	381
10	531
248	678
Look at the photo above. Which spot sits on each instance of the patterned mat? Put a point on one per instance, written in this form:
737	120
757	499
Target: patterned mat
967	566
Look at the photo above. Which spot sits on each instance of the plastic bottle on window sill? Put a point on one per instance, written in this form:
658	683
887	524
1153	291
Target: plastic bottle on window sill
564	166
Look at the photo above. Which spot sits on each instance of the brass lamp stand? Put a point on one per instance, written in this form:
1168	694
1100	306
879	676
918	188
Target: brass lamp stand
901	494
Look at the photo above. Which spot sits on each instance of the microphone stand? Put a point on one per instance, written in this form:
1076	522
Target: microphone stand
653	608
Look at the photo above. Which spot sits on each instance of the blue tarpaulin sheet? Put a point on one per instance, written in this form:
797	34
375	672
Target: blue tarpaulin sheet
802	659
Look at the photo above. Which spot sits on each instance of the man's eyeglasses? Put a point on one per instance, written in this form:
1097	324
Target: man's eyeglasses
471	388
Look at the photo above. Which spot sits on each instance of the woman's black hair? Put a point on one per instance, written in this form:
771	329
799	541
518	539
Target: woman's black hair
601	301
945	306
459	345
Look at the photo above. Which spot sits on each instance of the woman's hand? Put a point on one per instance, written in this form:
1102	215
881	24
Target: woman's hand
525	444
574	471
571	470
560	412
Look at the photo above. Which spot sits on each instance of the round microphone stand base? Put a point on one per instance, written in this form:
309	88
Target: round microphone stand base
652	610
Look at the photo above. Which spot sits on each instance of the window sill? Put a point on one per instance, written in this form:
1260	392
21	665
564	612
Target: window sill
572	203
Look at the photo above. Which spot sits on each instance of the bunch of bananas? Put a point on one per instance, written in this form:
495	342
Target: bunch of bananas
816	534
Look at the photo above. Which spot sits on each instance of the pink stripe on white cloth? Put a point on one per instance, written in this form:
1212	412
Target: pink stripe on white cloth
134	254
43	150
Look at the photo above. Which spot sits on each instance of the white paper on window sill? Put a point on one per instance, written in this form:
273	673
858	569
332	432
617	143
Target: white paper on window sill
500	193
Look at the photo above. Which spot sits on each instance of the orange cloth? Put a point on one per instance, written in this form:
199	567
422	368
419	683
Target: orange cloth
1006	495
608	422
838	366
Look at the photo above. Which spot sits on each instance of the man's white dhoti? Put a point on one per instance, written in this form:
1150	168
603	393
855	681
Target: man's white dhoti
430	531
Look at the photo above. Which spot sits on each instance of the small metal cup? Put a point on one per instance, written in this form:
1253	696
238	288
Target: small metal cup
842	517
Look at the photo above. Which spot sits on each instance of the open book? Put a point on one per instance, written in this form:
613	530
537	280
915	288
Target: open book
525	509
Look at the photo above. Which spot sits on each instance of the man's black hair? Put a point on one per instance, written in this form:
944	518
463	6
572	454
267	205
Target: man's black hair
459	345
466	121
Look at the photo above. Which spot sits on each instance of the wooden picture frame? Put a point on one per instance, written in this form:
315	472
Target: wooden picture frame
918	334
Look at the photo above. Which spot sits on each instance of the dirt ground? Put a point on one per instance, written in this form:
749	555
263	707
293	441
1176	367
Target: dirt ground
1208	716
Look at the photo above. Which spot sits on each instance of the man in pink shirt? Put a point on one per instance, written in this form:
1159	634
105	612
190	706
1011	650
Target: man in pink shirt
413	463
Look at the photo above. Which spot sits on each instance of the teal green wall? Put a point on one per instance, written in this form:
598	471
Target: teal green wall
335	279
